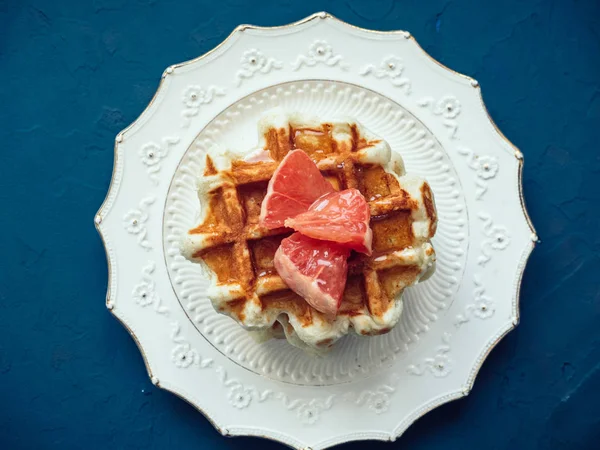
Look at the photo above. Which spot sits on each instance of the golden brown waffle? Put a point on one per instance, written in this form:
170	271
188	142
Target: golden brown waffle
239	252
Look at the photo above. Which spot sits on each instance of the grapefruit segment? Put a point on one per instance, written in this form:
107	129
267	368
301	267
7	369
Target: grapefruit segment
341	217
294	186
315	270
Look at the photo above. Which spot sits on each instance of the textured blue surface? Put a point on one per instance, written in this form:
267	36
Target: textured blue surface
75	73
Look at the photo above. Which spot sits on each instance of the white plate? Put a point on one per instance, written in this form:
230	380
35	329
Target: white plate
367	388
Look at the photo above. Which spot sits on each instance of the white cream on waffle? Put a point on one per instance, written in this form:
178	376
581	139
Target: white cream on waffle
236	251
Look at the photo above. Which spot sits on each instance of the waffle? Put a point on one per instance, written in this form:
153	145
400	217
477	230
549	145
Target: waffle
238	252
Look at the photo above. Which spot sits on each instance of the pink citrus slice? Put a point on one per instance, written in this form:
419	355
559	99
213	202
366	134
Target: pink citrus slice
341	217
294	186
315	270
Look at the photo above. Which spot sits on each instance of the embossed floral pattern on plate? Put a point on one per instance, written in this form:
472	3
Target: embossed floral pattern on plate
488	241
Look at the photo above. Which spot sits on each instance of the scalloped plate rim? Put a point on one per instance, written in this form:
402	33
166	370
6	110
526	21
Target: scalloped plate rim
112	192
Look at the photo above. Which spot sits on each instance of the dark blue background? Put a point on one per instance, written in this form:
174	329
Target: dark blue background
73	74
